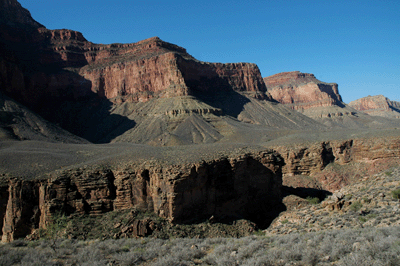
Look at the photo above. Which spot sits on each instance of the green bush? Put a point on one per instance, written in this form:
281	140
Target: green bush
58	224
362	219
396	194
355	206
348	197
312	200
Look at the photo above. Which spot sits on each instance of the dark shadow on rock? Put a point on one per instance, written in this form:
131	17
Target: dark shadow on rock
304	193
247	190
52	87
231	102
218	93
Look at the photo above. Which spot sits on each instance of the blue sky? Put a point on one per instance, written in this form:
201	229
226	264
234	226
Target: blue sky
353	43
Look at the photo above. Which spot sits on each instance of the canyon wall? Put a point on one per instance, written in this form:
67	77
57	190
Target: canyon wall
307	165
67	79
246	187
302	91
377	105
58	65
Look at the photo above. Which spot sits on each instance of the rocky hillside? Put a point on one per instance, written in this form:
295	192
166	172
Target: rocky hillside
336	161
371	202
377	105
320	100
19	123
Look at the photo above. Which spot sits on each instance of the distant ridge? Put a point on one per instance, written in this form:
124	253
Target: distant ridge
377	105
320	101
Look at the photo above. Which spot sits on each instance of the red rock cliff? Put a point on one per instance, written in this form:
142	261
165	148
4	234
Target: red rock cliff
55	64
302	91
246	186
373	154
377	105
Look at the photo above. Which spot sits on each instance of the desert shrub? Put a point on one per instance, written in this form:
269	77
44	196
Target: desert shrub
311	257
313	200
11	256
348	197
33	258
388	173
362	219
251	248
261	260
374	247
170	261
356	206
396	193
55	228
90	255
259	232
128	258
19	243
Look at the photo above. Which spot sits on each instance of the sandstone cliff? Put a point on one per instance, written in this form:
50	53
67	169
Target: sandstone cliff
120	72
332	164
320	101
233	187
302	91
377	105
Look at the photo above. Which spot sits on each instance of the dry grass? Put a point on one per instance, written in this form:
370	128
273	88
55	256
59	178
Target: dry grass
349	247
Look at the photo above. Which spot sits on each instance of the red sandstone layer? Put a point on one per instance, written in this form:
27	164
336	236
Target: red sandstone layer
302	91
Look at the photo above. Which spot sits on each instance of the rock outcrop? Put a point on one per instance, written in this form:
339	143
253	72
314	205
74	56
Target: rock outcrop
377	105
367	203
247	187
307	165
302	91
320	101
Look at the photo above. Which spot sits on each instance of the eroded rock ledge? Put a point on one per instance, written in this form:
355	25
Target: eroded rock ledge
377	105
307	165
247	186
302	91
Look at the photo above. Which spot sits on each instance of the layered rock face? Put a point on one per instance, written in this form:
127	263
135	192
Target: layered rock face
302	91
377	105
247	187
320	101
67	79
66	64
305	161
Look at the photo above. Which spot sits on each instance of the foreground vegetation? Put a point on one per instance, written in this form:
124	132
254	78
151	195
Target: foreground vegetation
368	246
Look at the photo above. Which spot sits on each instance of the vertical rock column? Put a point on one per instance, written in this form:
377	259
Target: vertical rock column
22	212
